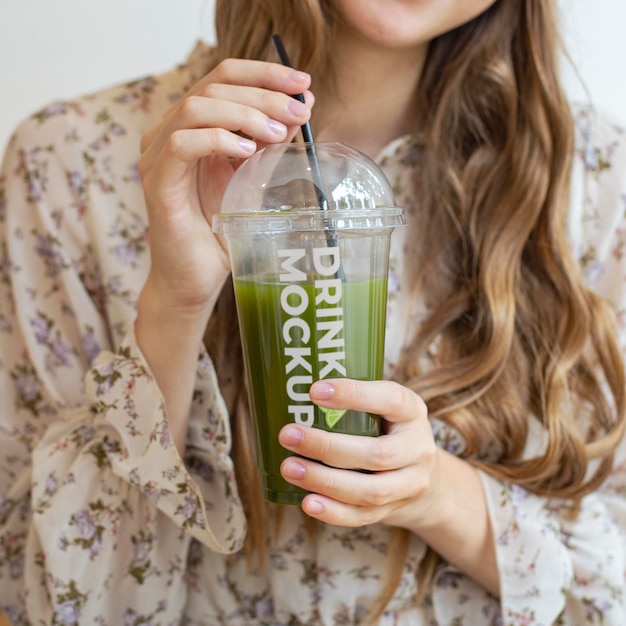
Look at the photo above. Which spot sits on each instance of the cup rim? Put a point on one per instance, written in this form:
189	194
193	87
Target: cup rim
312	219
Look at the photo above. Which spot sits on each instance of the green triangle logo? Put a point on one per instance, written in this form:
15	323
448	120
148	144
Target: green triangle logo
332	416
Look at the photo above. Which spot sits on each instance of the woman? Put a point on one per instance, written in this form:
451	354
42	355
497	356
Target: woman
496	493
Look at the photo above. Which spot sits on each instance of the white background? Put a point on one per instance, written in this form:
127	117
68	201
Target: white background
51	49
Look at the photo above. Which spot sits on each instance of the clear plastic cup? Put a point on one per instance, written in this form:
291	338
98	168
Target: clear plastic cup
308	230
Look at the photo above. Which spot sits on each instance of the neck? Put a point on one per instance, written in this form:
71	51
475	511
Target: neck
373	99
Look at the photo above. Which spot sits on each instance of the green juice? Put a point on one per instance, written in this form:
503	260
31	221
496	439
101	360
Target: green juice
294	334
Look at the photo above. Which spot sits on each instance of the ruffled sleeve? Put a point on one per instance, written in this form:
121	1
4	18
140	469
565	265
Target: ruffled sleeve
115	507
557	567
97	509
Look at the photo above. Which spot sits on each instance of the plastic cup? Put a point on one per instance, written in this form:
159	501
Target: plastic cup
309	248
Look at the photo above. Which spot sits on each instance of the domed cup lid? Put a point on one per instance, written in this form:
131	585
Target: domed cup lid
307	187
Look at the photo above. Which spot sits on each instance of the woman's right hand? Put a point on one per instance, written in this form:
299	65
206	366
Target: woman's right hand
186	162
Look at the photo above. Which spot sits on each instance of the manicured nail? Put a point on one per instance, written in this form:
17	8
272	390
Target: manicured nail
322	390
299	77
276	127
314	507
247	146
292	469
297	108
291	436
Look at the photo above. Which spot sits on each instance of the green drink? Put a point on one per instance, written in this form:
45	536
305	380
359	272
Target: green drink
309	251
343	337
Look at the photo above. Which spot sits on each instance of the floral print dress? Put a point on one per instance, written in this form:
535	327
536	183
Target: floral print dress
102	522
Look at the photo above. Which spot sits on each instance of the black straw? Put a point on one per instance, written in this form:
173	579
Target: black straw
307	135
279	46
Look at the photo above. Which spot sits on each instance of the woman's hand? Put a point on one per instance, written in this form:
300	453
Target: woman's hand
412	483
402	462
189	157
186	162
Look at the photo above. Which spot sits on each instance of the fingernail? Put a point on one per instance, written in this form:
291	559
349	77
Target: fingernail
294	470
314	507
322	390
247	146
297	108
299	77
291	436
277	127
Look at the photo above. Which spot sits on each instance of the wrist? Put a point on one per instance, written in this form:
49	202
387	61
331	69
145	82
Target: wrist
170	338
453	519
161	310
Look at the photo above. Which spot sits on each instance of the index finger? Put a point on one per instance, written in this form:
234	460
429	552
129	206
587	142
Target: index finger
246	73
388	399
251	73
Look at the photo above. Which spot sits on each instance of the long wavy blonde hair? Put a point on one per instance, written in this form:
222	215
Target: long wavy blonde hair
519	336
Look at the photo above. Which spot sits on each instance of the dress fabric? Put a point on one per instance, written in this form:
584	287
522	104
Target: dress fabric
102	522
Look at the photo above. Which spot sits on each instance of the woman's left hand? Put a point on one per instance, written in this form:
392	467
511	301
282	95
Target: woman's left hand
401	486
413	483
